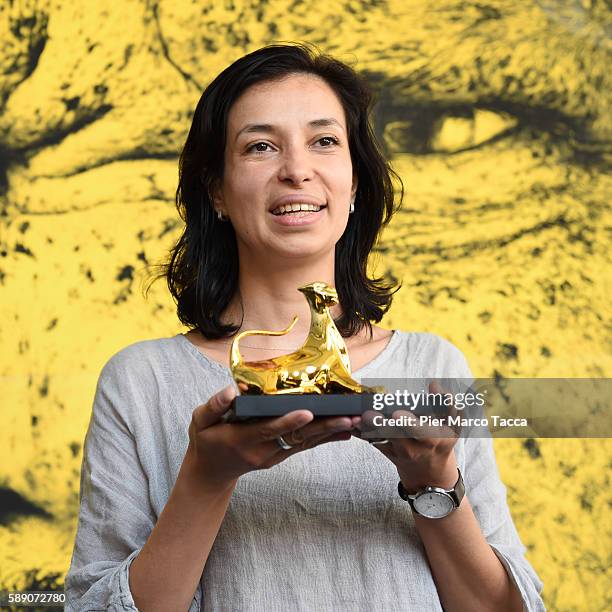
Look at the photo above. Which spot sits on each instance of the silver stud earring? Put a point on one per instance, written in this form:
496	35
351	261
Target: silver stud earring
221	216
352	207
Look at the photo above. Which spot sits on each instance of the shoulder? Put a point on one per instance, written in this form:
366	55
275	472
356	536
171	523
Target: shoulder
140	370
431	355
133	381
138	357
156	367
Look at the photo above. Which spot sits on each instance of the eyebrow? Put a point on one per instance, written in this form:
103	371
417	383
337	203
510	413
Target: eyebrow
269	128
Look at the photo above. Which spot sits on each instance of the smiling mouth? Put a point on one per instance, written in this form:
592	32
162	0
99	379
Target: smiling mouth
292	209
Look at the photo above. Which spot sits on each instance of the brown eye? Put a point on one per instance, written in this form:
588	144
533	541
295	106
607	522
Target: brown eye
257	147
328	141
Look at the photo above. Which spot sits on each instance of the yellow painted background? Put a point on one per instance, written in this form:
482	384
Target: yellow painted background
495	113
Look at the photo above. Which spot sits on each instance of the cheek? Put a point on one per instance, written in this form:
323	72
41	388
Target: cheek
339	174
247	184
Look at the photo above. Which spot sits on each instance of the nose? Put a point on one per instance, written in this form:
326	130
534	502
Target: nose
295	166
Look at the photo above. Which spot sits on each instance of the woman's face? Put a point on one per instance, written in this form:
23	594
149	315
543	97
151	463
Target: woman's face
287	145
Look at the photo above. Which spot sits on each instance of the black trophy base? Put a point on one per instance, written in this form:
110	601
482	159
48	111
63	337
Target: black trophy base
268	406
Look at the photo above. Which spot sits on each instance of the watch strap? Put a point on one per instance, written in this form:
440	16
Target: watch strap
457	492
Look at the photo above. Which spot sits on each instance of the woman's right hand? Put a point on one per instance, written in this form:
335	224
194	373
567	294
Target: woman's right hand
220	452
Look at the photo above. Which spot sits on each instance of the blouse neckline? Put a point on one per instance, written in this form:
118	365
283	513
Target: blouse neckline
375	361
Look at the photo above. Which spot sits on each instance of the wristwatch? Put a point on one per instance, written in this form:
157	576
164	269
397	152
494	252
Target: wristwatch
434	502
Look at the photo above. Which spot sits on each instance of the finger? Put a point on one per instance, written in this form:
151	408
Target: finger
388	450
371	430
265	430
332	430
425	428
337	436
447	396
436	387
333	436
213	410
318	428
454	424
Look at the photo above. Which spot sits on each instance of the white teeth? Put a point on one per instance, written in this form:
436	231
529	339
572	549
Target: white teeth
286	208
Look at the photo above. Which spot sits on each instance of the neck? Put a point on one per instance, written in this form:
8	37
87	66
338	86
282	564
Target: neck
268	296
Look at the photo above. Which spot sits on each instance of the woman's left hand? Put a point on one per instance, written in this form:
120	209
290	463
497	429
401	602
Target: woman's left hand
424	455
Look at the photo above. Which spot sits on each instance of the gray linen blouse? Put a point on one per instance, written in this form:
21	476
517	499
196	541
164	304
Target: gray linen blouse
323	531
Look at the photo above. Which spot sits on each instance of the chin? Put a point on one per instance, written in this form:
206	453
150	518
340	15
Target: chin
303	248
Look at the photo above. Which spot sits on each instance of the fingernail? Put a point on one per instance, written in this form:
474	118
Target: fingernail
227	394
303	419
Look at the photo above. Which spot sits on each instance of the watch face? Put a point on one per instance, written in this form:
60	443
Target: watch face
434	505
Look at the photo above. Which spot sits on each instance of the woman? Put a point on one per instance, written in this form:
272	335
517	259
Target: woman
281	183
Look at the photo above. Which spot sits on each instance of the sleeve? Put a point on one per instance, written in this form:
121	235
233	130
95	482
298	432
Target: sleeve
115	515
487	495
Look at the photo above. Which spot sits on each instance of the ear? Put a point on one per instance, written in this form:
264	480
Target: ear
214	191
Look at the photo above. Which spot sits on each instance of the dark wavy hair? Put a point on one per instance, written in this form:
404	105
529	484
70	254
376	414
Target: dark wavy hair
202	269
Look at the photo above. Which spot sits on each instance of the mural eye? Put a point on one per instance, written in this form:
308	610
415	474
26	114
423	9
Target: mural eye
427	131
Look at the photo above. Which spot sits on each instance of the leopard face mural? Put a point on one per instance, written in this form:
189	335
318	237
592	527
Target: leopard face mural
495	114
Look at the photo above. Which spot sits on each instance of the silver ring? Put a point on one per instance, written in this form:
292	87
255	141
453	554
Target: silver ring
283	443
381	441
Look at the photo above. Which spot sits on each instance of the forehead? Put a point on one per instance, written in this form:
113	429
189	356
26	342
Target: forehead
298	98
